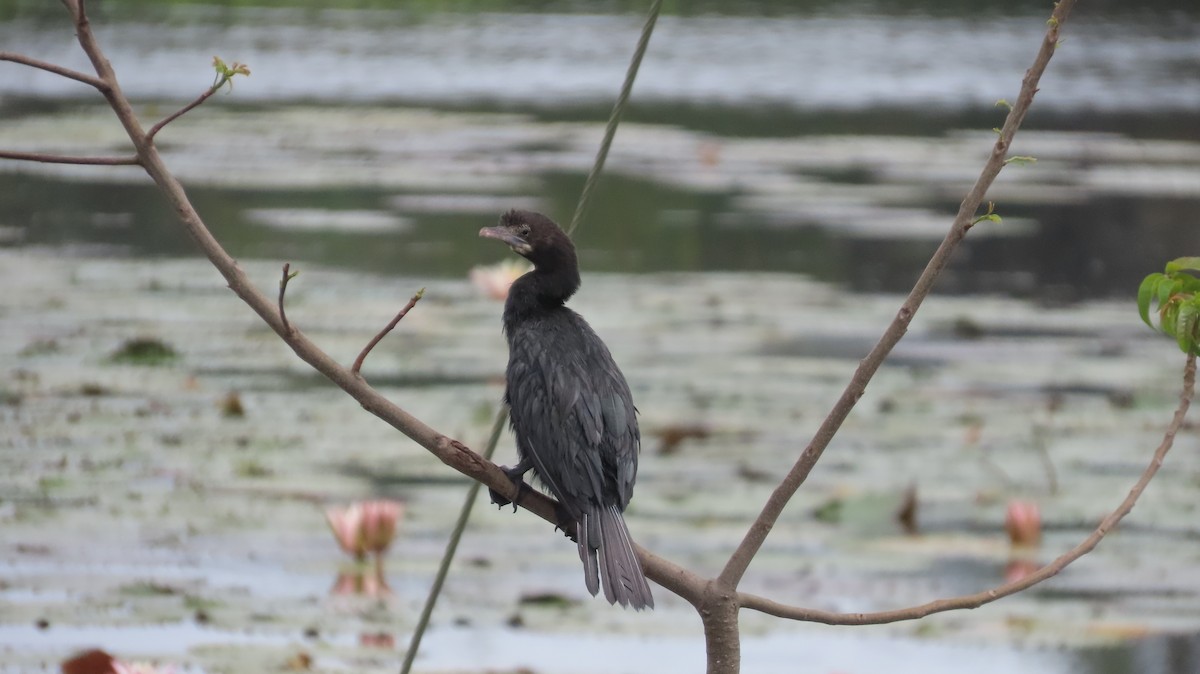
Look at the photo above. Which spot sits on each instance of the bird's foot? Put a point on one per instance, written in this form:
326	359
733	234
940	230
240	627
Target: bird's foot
514	474
566	522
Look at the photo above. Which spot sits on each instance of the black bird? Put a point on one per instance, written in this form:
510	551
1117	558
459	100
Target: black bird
571	410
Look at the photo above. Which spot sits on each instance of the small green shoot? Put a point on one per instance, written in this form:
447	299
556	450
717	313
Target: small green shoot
1002	103
1020	160
1176	295
226	73
991	215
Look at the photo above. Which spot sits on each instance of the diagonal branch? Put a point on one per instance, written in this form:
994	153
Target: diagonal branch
131	160
450	451
980	598
735	568
51	68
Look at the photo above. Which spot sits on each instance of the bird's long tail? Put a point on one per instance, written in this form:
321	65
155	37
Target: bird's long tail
607	554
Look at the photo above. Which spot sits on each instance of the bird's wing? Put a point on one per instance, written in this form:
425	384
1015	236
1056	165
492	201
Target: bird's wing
573	414
605	414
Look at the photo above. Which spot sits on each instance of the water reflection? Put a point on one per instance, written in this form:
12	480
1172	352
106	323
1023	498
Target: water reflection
844	210
1096	249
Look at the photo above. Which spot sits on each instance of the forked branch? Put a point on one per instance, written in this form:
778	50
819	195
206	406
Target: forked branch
735	568
450	451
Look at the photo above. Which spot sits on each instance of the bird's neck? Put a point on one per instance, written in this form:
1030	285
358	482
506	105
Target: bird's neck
543	289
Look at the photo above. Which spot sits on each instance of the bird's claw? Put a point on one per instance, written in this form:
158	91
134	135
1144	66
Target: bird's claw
499	499
565	523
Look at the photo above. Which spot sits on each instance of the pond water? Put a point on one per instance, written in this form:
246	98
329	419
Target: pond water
780	176
804	143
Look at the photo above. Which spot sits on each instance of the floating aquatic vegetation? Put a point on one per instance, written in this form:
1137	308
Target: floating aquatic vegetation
144	351
231	406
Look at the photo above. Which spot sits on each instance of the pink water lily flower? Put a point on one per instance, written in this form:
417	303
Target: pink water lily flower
379	520
1023	522
366	526
495	280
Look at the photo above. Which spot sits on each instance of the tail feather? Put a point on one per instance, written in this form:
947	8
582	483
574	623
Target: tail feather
605	547
587	532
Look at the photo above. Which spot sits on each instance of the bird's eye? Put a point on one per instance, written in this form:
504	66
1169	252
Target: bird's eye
523	230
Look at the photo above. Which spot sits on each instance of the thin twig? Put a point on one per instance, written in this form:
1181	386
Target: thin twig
382	333
1043	452
985	457
987	596
615	117
597	166
52	68
131	160
288	275
180	112
464	514
735	568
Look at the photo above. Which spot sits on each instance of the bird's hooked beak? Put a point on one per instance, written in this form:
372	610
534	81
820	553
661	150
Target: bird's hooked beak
520	246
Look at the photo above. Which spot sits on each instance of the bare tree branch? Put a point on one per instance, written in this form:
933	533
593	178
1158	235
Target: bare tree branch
180	112
51	68
451	452
131	160
987	596
735	568
412	302
717	600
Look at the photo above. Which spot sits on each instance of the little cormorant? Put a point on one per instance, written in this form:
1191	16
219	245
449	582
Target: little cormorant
571	410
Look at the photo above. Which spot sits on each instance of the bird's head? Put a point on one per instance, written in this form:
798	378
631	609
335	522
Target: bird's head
533	236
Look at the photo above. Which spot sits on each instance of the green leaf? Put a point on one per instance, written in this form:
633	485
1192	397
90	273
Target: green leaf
1183	264
990	215
1003	104
1146	292
1185	326
1176	293
1168	317
226	73
1020	160
1166	288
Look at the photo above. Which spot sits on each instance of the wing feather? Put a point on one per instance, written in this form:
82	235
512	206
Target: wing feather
571	409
